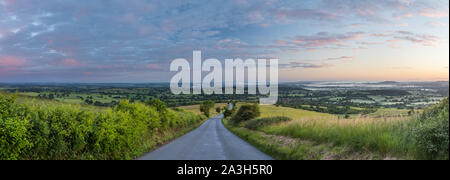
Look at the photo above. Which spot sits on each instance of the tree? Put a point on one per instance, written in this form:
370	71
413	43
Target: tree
246	112
206	106
218	109
411	111
346	116
227	113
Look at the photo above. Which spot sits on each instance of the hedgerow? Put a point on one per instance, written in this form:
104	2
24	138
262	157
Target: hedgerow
431	132
68	132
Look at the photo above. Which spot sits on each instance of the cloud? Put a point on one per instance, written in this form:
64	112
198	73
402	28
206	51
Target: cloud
304	14
381	34
435	24
155	67
426	40
325	39
371	43
11	64
401	24
434	13
295	65
67	62
404	15
341	58
356	25
138	36
11	61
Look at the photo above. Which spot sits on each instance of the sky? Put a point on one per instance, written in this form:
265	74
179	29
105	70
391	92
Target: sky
135	40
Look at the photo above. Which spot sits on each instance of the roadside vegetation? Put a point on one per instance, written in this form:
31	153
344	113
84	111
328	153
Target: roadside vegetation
50	121
287	133
206	107
196	108
62	131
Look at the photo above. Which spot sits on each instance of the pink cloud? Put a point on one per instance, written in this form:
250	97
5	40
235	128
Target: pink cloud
11	64
365	12
353	26
11	61
67	62
81	13
154	67
281	42
394	40
324	39
404	15
9	2
434	13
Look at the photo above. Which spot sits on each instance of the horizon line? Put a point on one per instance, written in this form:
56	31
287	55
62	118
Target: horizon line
163	82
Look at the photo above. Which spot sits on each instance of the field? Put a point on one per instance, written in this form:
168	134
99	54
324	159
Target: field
385	134
273	111
108	95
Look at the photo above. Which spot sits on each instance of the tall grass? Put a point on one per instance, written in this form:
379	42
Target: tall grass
420	136
386	136
255	124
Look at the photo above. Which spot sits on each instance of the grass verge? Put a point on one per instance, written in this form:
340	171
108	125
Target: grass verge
287	148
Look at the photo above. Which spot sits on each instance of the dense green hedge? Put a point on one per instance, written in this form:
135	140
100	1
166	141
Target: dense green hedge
431	131
67	132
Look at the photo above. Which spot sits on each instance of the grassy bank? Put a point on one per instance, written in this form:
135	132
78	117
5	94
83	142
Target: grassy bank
287	148
312	135
63	131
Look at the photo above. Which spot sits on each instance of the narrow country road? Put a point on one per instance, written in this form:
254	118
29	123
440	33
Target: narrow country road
210	141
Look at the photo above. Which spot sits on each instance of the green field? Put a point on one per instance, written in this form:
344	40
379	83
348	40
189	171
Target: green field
385	134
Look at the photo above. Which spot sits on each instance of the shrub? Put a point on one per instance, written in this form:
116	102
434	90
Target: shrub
246	112
218	109
431	133
140	113
227	113
168	118
13	129
255	124
13	137
206	106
